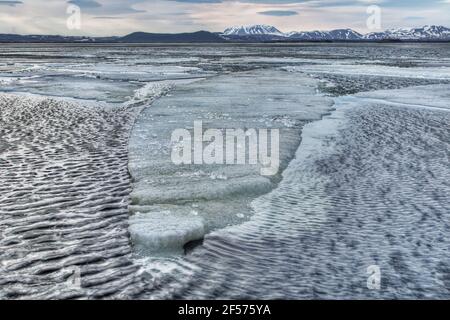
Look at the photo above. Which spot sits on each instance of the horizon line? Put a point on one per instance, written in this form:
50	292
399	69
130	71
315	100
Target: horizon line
221	32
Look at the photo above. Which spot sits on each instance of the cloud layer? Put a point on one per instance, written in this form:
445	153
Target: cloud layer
279	13
119	17
10	3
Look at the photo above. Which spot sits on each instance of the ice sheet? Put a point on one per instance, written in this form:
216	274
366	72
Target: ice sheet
219	194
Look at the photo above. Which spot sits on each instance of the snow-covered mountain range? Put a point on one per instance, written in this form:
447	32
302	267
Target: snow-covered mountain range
424	33
270	33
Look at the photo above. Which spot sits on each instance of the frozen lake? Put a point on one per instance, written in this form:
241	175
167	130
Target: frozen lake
362	181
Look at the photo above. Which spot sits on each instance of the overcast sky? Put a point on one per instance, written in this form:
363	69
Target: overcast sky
119	17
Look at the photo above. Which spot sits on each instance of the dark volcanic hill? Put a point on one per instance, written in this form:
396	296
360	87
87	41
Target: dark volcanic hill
198	37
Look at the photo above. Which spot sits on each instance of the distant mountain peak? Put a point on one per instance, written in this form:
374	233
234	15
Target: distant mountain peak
256	29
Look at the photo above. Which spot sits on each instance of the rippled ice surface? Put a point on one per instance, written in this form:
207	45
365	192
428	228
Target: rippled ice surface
369	186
